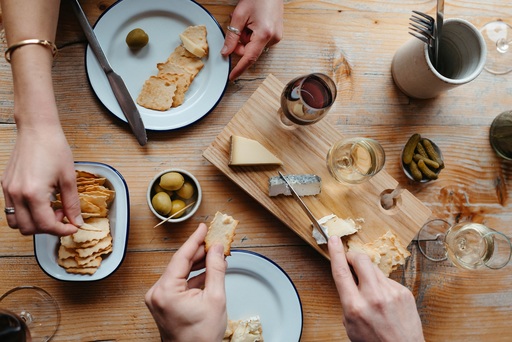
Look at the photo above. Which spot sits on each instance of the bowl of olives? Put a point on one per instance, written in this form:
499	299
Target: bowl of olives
172	190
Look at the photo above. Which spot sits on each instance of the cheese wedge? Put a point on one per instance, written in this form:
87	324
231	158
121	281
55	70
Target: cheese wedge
194	40
333	225
246	152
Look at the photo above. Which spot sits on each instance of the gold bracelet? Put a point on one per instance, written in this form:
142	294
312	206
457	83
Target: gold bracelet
45	42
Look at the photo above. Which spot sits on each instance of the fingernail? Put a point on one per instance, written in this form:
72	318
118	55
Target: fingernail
79	221
224	49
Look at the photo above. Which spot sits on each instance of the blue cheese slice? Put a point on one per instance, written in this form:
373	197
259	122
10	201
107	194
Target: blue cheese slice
333	225
245	152
304	185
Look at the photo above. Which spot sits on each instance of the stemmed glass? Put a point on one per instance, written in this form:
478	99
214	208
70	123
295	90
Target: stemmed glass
467	245
307	99
37	309
355	160
498	38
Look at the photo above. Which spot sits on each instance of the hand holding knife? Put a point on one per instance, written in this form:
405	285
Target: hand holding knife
119	89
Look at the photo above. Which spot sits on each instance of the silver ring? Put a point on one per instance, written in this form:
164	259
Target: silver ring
234	30
9	210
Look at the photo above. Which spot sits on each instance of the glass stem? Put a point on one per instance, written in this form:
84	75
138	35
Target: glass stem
503	44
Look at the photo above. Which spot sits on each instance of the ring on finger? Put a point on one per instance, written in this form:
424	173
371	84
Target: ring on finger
9	210
234	30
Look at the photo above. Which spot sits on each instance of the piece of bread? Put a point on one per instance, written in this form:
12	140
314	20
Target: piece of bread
194	40
221	231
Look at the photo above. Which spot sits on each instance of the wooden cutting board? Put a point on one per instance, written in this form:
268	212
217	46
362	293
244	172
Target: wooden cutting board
303	150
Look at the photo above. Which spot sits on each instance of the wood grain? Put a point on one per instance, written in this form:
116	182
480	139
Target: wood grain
303	150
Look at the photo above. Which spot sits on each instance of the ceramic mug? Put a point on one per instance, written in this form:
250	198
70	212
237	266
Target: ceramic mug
462	54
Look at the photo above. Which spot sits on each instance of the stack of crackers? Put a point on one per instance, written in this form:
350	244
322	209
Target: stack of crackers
167	89
387	252
81	252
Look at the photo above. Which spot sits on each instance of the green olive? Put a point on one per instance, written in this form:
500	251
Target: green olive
177	205
137	39
162	203
157	188
186	191
172	181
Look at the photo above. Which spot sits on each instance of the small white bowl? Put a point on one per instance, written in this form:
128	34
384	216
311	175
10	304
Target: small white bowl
197	197
46	246
407	172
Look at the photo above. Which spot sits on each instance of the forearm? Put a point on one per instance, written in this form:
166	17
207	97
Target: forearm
31	64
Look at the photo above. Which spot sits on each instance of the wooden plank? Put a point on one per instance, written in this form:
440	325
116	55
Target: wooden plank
303	151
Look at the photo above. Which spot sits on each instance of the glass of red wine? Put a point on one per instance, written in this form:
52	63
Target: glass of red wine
28	313
307	99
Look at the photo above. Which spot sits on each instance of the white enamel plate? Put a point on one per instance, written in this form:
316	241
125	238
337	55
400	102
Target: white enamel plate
163	21
256	286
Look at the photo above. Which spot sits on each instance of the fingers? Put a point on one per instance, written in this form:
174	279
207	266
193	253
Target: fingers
70	199
365	270
215	270
184	259
340	269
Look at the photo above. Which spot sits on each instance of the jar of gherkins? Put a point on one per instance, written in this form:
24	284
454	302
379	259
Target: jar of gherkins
500	135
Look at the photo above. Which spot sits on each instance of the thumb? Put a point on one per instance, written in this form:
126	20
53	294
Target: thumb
216	270
71	202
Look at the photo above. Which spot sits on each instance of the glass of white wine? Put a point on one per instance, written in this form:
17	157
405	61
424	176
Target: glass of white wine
28	313
467	245
498	38
307	99
355	160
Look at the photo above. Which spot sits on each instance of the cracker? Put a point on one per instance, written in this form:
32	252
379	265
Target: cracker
157	93
173	68
181	57
387	252
221	231
182	83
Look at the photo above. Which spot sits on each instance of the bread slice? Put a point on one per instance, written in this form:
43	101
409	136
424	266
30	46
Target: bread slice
221	231
194	40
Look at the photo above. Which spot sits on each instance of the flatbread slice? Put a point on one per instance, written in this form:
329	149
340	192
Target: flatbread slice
221	231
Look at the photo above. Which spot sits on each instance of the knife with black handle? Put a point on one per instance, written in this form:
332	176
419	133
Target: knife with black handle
119	89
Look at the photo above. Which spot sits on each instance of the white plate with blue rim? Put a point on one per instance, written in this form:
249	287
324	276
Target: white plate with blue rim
46	246
163	21
257	286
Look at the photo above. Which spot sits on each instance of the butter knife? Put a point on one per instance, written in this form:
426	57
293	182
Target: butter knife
304	207
119	89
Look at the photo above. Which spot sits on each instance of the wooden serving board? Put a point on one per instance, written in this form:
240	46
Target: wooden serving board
303	150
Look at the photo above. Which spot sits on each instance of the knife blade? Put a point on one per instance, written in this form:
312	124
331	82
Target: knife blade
117	84
304	207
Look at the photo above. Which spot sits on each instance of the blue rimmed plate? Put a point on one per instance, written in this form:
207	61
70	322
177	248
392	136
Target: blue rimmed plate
163	21
46	246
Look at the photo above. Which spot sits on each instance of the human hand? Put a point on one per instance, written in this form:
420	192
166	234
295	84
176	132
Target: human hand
40	164
375	308
194	309
260	23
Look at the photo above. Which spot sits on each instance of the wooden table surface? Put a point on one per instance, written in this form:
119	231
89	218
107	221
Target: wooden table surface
353	41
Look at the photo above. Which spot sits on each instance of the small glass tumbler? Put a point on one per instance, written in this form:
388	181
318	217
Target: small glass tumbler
500	135
355	160
307	99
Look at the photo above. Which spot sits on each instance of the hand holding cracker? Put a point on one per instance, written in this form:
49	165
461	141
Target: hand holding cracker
191	309
375	308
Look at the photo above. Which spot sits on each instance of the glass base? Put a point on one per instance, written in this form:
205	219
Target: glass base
431	239
498	38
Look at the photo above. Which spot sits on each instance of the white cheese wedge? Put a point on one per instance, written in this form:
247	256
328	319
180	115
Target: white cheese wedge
245	151
192	47
333	225
304	185
248	331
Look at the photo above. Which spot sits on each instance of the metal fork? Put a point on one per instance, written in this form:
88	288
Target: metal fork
422	27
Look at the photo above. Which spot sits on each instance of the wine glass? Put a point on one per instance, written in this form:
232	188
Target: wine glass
307	99
13	327
36	308
467	245
498	38
355	160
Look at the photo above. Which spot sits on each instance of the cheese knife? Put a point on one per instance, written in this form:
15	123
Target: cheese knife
304	207
119	89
